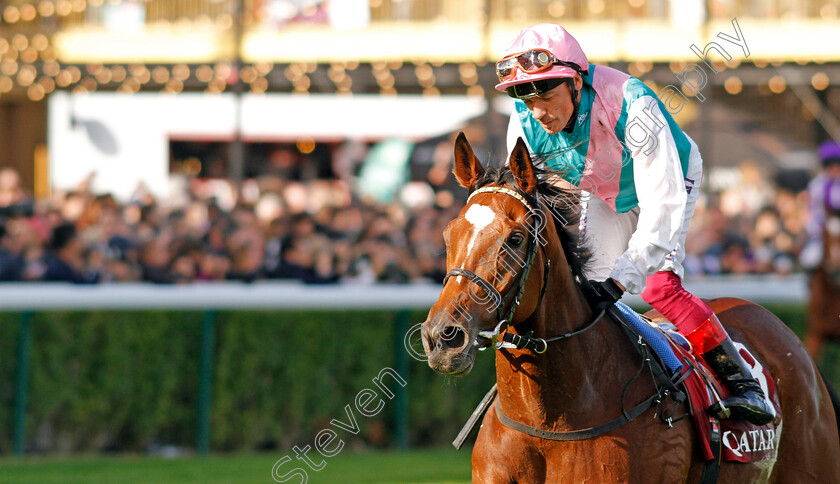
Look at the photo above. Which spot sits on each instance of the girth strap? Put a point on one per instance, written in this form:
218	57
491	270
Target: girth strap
711	469
582	434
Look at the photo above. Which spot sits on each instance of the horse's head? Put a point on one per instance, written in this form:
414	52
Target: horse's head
490	249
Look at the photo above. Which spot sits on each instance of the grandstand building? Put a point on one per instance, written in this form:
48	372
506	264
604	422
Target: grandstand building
136	90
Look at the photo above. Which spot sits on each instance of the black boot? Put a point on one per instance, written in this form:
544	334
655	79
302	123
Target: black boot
747	398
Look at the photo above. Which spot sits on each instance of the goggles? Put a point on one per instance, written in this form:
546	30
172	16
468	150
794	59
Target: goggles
530	62
531	89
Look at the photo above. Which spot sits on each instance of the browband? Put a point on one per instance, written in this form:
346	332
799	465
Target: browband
508	191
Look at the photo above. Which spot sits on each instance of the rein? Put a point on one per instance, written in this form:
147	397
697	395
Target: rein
526	341
582	434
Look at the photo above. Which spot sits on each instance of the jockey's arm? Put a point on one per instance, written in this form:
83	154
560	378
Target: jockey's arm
515	132
661	191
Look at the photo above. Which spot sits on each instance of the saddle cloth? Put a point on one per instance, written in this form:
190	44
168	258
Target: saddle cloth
741	441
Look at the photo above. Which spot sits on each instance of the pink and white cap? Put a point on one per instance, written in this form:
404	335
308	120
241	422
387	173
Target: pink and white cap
550	37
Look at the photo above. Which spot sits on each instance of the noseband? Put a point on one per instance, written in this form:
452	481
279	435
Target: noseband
505	316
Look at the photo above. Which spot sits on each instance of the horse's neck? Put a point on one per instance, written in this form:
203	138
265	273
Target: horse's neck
575	378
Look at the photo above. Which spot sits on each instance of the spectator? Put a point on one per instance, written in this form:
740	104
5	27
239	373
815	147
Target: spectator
65	261
14	200
298	261
154	259
824	194
11	262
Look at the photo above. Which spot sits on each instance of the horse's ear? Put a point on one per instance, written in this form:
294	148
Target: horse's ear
467	168
522	168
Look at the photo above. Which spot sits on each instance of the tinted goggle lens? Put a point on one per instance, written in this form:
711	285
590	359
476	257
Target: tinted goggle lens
504	68
530	62
531	89
534	60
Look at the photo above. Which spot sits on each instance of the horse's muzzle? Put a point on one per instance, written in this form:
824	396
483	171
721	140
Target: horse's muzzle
448	348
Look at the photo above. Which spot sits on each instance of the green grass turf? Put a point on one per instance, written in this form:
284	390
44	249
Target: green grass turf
418	467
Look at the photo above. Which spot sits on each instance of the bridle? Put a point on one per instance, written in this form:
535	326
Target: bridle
503	339
510	302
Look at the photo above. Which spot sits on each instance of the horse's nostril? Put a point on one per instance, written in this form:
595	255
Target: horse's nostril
453	337
429	342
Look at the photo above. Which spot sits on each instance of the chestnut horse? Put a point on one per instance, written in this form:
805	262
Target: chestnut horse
496	271
824	301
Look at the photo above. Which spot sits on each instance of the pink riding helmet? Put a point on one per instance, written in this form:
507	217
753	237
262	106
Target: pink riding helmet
550	37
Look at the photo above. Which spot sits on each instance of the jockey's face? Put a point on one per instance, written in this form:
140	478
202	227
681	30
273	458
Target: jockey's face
553	109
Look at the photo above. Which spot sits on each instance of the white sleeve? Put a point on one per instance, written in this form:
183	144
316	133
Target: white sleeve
660	188
514	132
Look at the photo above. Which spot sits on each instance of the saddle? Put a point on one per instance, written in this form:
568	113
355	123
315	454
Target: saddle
739	441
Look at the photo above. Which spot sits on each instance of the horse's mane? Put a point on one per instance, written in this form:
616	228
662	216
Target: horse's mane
565	210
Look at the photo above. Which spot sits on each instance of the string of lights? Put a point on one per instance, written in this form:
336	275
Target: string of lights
41	76
30	63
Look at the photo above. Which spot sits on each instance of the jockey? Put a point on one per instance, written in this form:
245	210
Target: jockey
824	193
609	134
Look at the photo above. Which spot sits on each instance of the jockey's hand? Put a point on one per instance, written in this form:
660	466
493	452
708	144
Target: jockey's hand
606	293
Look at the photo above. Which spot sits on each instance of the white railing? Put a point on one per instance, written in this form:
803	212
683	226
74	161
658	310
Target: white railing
283	295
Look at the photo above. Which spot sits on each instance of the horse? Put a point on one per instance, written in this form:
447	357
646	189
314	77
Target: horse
824	288
500	282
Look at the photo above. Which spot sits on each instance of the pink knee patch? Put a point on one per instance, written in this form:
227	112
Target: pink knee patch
665	292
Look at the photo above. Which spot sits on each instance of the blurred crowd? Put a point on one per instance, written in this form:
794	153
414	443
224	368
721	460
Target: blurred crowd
315	231
321	231
745	224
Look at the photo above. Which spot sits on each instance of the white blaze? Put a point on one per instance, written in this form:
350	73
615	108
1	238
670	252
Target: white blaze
479	216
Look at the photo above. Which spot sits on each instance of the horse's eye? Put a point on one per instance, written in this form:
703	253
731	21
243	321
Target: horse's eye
516	240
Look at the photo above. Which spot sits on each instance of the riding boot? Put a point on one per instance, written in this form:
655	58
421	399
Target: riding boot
746	401
696	321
